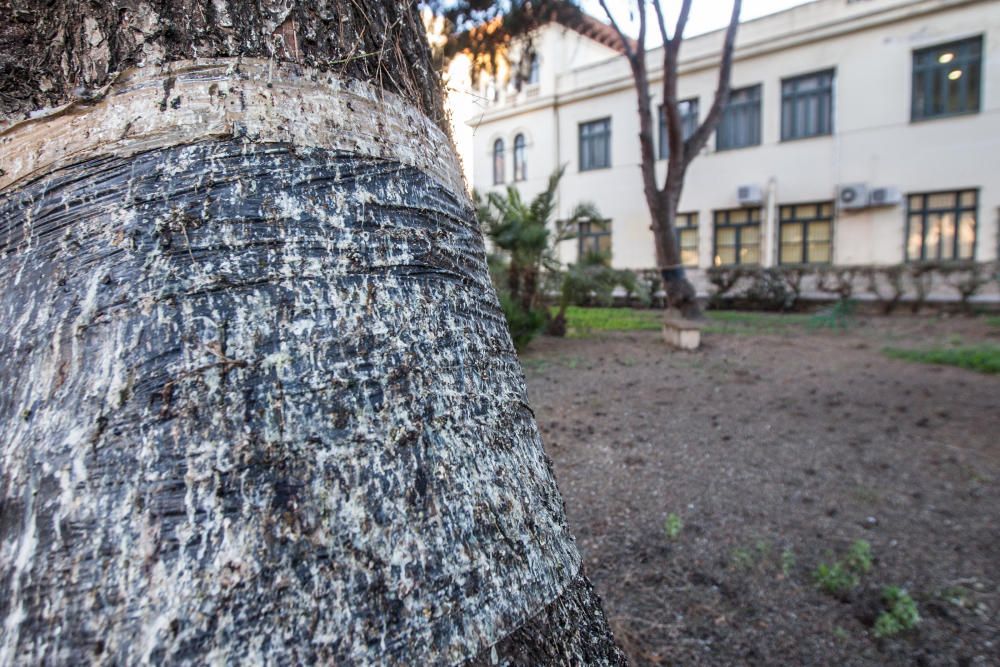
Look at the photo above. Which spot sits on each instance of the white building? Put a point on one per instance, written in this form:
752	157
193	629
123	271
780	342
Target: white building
859	132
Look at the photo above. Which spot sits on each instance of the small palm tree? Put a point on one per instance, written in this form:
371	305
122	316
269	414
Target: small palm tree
526	237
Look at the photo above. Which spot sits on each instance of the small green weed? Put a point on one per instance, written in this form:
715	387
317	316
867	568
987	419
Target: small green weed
859	557
787	561
981	358
742	558
763	548
835	579
841	577
956	595
673	526
900	615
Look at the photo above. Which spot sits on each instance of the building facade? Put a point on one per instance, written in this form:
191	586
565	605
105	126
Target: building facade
859	132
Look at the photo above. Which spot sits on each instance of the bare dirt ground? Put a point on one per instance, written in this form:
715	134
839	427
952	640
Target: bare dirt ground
778	449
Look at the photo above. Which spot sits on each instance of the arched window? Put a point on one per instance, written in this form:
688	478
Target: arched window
498	166
520	169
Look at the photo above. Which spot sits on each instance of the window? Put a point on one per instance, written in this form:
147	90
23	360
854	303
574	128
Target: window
740	124
737	236
947	79
533	69
595	144
807	106
941	225
594	238
520	169
687	238
806	233
689	123
498	165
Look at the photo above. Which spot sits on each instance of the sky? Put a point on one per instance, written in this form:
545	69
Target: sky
706	15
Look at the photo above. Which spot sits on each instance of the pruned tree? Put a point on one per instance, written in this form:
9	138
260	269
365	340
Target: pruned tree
663	199
260	405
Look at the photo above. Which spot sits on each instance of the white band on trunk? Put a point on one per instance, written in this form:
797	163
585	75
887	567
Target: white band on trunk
188	101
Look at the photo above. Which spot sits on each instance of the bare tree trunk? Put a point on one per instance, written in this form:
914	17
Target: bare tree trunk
663	201
679	291
260	402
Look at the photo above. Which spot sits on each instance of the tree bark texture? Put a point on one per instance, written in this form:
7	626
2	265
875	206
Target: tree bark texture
260	404
55	51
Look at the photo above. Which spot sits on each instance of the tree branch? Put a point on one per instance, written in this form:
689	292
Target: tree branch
661	22
642	26
621	35
697	141
671	106
640	77
682	19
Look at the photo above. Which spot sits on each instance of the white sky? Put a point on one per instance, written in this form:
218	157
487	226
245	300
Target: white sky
706	15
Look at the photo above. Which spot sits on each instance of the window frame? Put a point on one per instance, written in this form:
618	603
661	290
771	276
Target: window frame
924	212
499	162
784	222
738	227
605	134
690	225
520	164
534	70
825	93
584	238
754	105
689	124
936	69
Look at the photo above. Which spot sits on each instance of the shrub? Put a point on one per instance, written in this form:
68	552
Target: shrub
590	281
525	237
780	287
769	290
523	324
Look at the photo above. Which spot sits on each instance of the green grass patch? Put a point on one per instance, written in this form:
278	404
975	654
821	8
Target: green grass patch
993	320
581	321
981	358
753	323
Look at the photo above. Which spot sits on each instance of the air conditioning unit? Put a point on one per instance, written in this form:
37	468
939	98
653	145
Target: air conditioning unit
851	196
884	197
749	195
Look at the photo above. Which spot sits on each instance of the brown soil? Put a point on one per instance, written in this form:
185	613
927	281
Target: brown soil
778	451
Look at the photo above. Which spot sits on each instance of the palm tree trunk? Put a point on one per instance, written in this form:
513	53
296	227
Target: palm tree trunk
260	402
